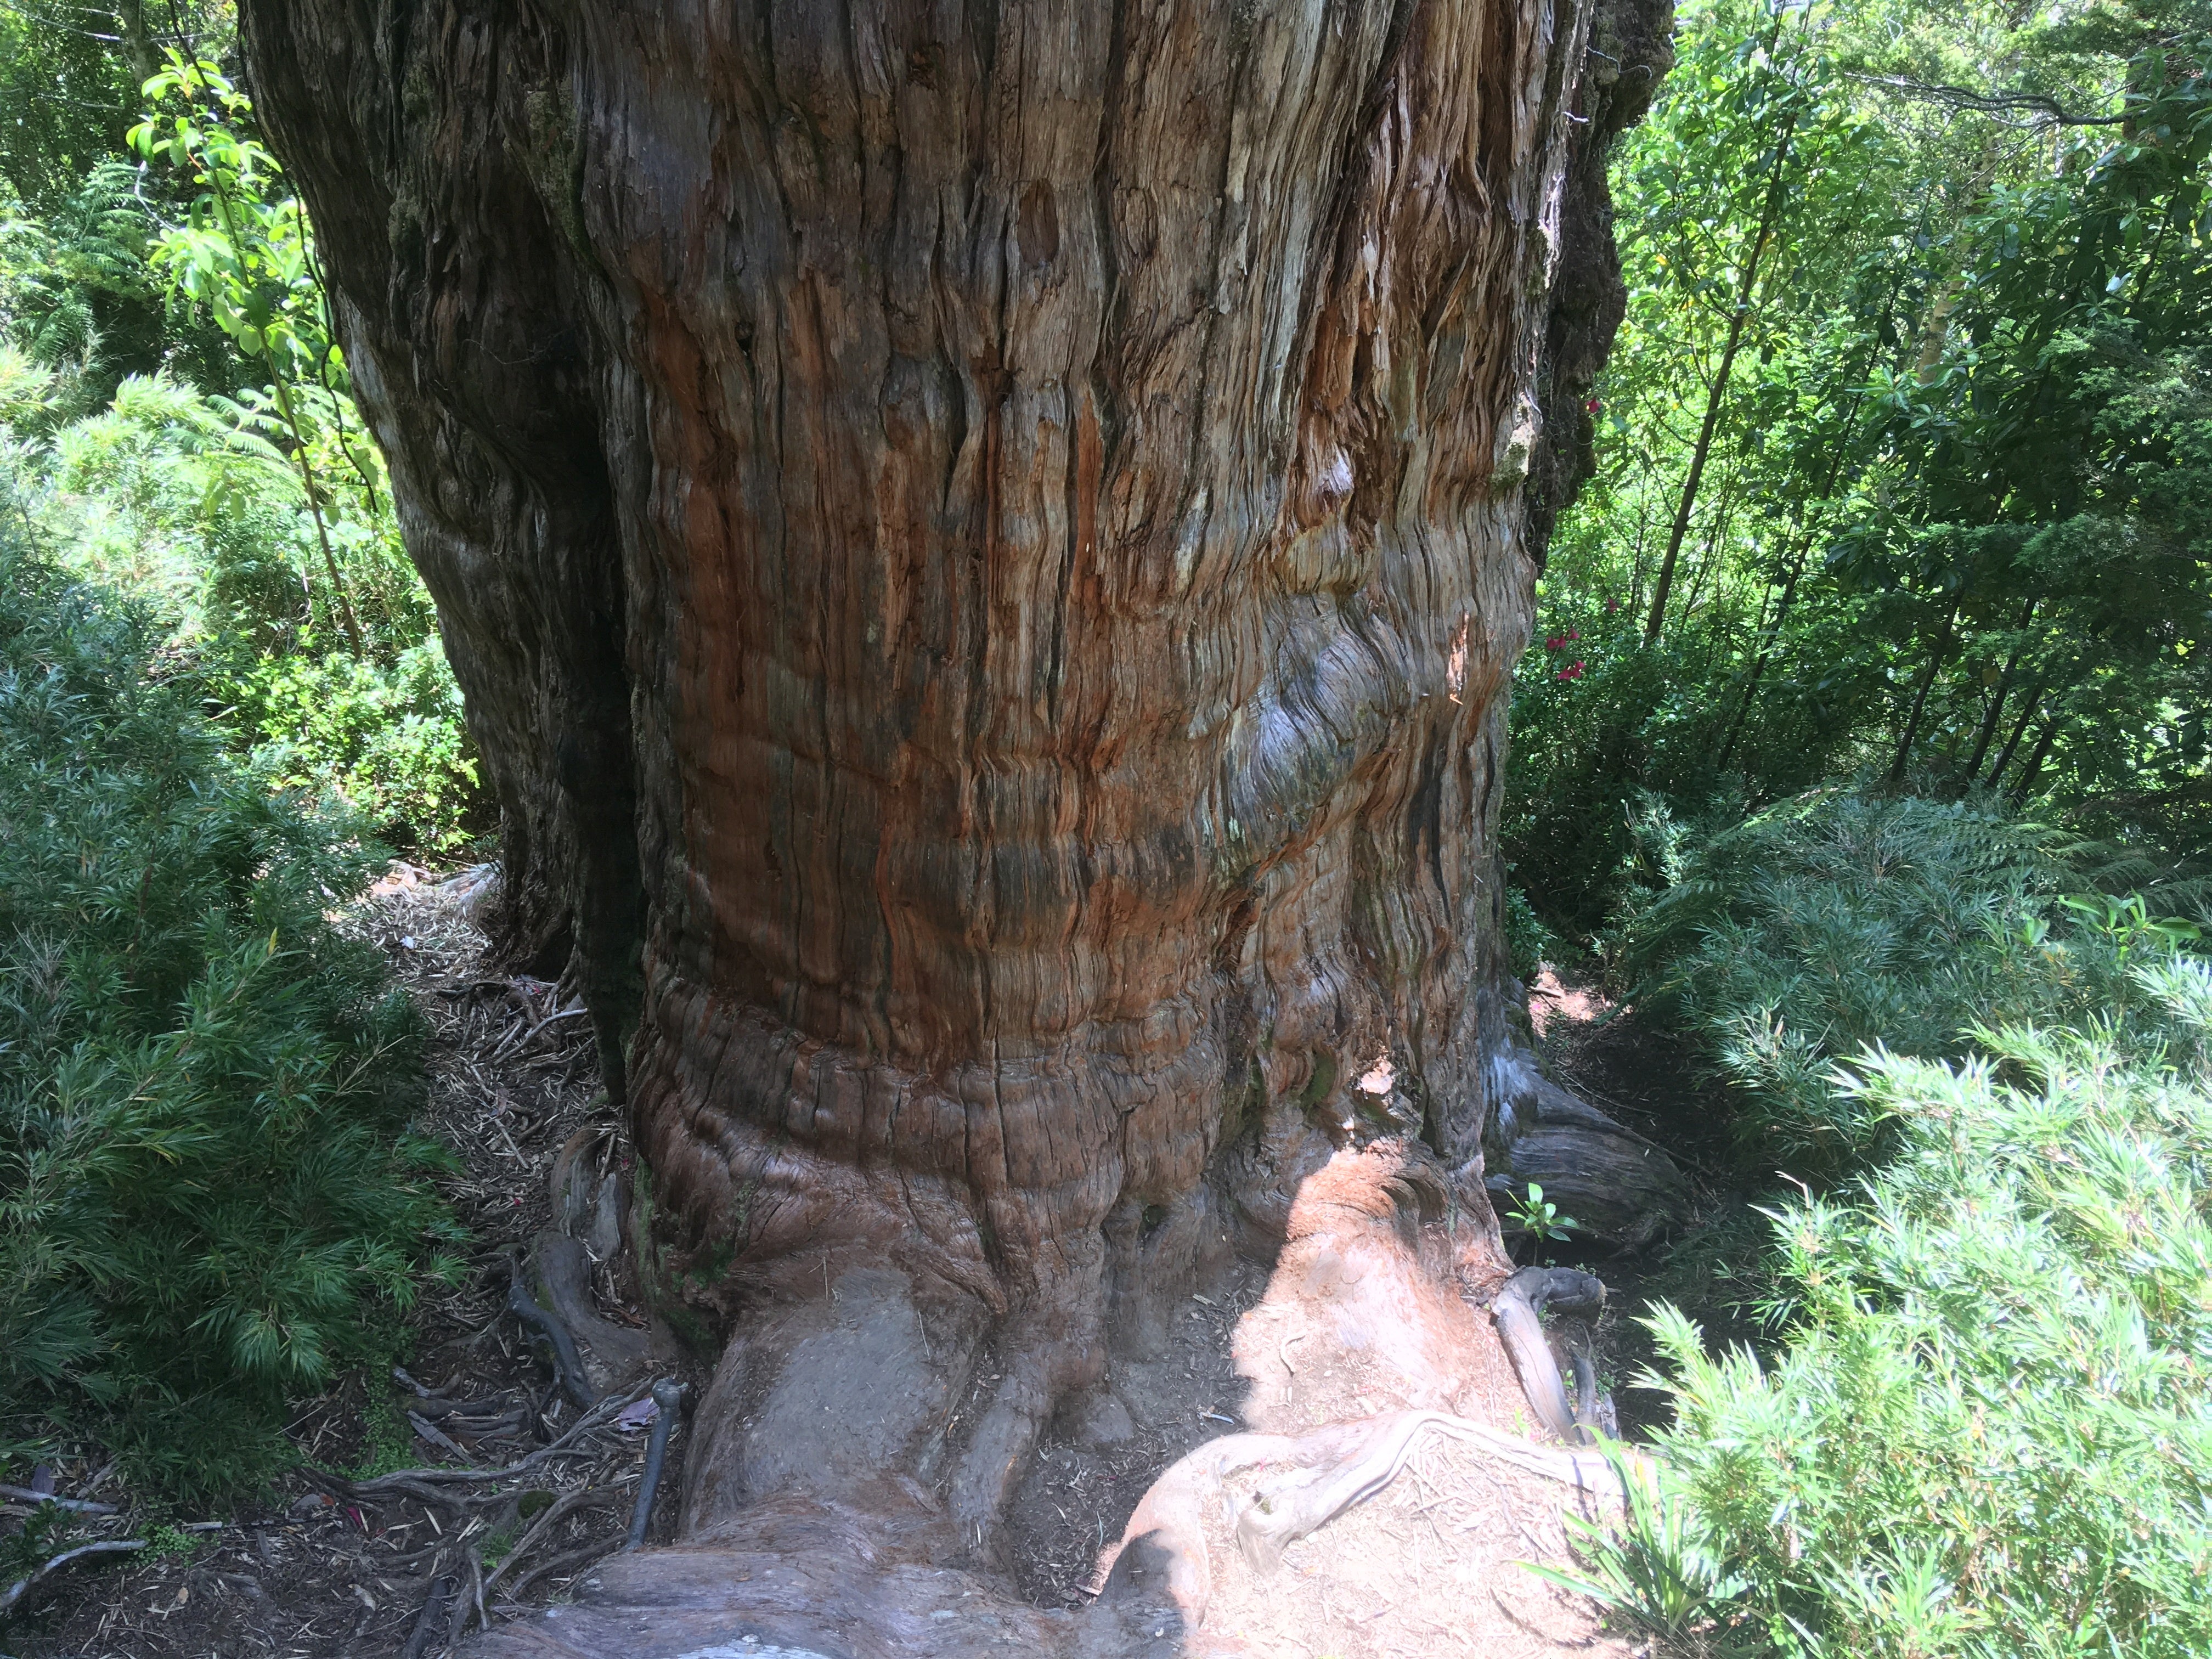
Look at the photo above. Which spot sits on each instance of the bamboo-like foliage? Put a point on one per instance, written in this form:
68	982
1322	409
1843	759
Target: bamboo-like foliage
1987	1431
1841	919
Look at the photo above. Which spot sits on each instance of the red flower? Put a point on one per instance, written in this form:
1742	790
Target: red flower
1573	671
1556	642
1593	406
1574	633
1613	605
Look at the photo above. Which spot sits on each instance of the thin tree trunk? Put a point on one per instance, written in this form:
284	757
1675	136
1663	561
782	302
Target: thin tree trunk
2033	770
1772	632
136	41
2018	730
1836	457
1768	634
1716	394
341	600
1996	710
1935	657
1702	569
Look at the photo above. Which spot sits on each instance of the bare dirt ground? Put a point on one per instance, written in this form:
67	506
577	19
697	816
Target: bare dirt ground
330	1566
1621	1062
1434	1564
1616	1060
1079	1494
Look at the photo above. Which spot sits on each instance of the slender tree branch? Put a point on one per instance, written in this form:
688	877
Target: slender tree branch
2048	110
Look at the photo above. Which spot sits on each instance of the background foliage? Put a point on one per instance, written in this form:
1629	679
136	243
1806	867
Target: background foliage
1938	518
219	675
1864	748
1841	921
176	417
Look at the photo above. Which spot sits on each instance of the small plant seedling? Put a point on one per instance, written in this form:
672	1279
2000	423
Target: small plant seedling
1539	1217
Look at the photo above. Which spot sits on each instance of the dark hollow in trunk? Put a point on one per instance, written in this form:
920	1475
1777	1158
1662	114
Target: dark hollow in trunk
985	546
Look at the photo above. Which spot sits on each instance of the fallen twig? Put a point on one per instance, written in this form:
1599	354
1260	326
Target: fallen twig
435	1435
515	1045
575	1560
567	1505
74	1505
422	1391
406	1481
16	1591
426	1622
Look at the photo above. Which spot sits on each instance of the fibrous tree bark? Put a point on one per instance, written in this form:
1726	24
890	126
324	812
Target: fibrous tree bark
985	546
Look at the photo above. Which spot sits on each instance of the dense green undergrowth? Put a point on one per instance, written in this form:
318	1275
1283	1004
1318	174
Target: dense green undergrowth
1977	1093
1844	919
1865	747
176	422
1989	1429
208	1198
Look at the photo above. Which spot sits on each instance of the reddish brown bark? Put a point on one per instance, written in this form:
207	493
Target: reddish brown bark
985	548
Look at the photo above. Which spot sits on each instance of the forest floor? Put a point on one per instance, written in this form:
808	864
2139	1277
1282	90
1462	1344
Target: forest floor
311	1573
1647	1078
1432	1565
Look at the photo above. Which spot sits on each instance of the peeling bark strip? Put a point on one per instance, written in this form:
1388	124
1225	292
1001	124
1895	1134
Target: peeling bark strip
984	547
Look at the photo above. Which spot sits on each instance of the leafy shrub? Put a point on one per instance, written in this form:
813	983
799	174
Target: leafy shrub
1989	1431
190	503
162	490
1842	918
206	1193
195	499
1528	943
390	739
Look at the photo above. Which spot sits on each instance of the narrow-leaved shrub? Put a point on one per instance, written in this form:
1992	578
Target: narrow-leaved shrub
207	1196
1842	918
1989	1430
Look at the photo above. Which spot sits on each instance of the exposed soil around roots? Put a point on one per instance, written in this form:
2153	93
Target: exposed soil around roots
1434	1564
1622	1062
1291	1473
1080	1493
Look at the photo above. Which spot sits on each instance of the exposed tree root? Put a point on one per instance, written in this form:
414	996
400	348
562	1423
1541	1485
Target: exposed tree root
1517	1311
667	1395
1324	1474
841	1540
567	1362
22	1587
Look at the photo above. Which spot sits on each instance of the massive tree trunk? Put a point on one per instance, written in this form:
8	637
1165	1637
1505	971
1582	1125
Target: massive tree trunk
985	548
